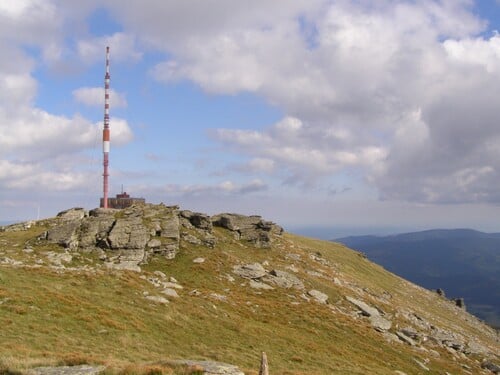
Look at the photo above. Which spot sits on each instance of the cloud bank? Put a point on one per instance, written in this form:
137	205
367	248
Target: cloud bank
403	91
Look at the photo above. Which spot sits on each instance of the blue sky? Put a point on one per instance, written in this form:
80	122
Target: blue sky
354	116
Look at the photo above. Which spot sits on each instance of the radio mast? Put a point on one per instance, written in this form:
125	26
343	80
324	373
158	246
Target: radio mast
105	133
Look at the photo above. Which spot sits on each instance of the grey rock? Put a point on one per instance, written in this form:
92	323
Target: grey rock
199	260
405	338
421	365
17	227
198	220
292	268
212	368
170	251
11	262
440	292
192	239
260	285
411	333
129	233
460	302
103	212
284	279
476	348
157	299
65	234
160	274
248	228
314	273
390	337
296	257
318	296
71	214
172	285
123	266
154	243
365	309
489	365
59	258
94	232
380	323
169	292
170	226
67	370
218	297
250	271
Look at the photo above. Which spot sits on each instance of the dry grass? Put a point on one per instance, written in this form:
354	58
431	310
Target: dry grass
48	317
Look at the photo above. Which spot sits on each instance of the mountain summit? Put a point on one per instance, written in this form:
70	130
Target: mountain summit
154	289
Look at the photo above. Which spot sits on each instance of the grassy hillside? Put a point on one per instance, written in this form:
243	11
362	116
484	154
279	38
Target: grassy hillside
465	263
81	312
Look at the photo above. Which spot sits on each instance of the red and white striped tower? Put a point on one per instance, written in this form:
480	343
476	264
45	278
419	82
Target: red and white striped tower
105	132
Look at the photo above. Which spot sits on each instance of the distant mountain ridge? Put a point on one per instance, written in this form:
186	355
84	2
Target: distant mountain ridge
463	262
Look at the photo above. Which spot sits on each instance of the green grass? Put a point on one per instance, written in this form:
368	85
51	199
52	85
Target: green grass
51	317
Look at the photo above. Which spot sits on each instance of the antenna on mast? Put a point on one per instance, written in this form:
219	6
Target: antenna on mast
122	200
105	134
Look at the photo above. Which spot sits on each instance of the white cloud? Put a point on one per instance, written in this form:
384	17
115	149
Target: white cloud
94	96
475	51
122	48
261	165
292	147
403	91
32	134
34	176
17	90
225	187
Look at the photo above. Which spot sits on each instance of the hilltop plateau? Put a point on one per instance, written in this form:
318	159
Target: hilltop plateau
153	289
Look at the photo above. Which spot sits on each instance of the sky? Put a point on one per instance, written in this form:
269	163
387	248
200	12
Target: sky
347	116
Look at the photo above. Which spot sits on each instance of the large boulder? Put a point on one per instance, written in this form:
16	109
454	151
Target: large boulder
284	279
65	234
250	271
248	228
197	220
75	213
128	233
94	232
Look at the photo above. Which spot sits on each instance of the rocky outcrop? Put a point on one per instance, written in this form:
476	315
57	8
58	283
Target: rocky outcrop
248	228
260	278
131	236
197	220
128	236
